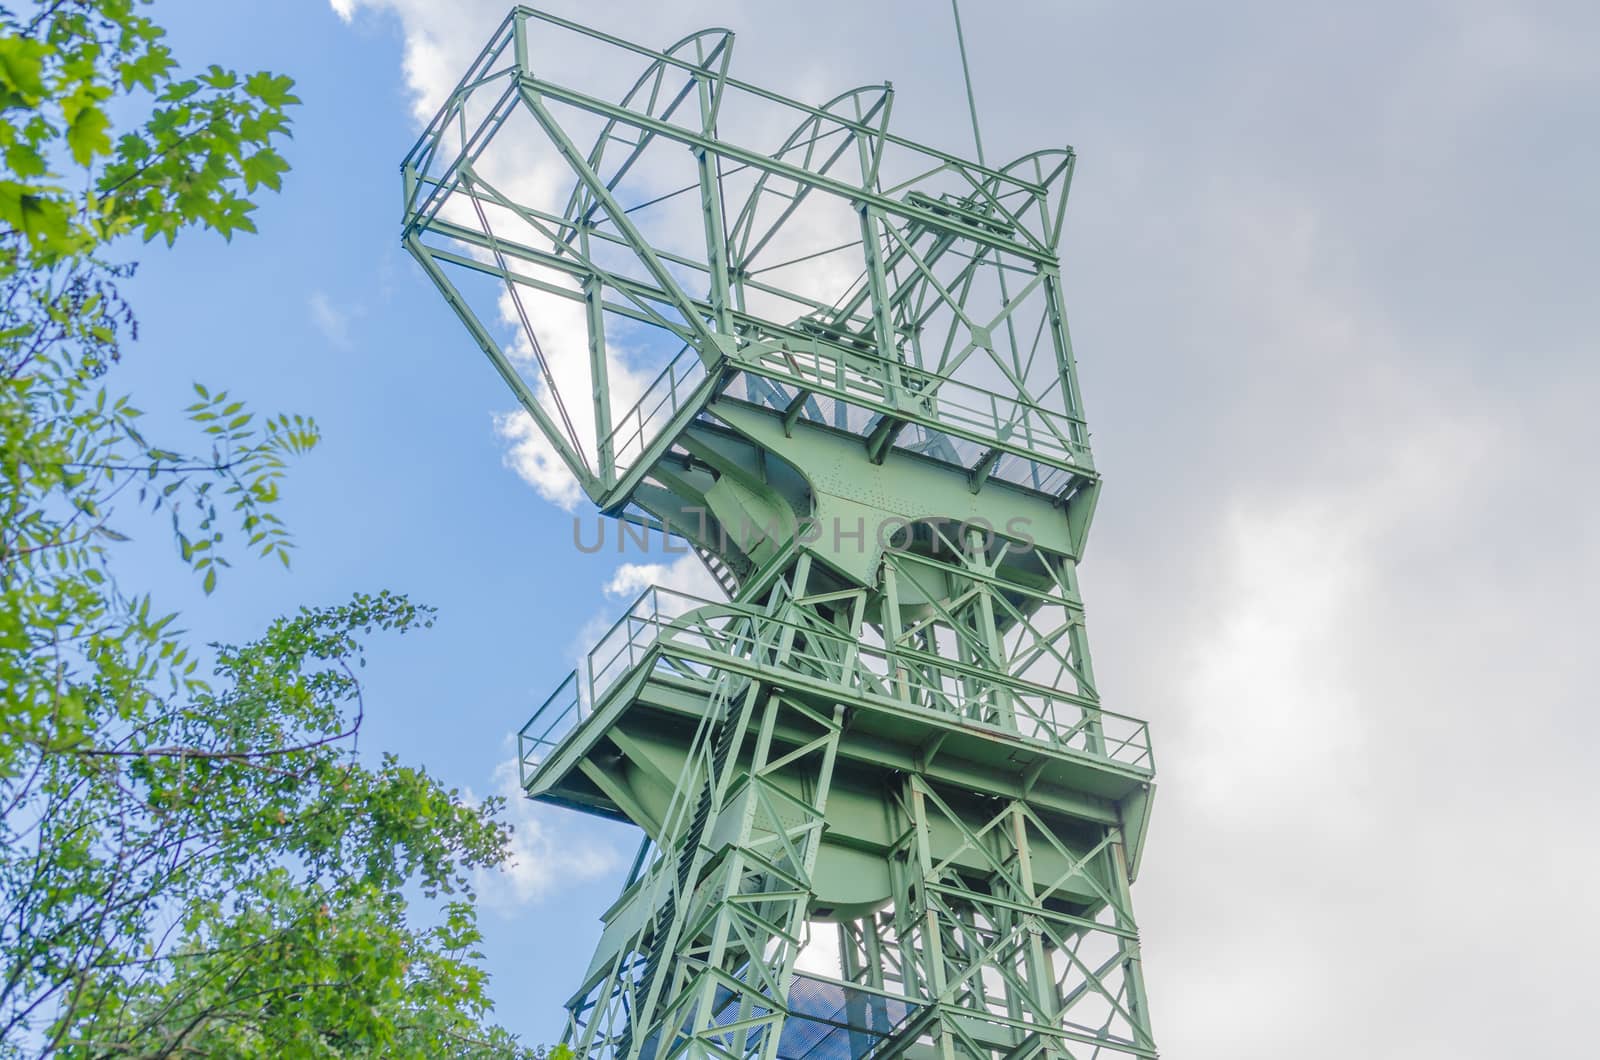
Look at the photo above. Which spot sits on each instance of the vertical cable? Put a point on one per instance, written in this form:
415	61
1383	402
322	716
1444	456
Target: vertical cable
966	73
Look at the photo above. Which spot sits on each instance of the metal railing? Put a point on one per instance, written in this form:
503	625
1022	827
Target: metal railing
550	724
619	650
958	421
635	429
690	640
632	636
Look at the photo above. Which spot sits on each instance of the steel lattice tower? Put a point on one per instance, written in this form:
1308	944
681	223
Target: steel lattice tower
885	812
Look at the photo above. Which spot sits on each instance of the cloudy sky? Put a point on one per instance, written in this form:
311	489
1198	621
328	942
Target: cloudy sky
1333	286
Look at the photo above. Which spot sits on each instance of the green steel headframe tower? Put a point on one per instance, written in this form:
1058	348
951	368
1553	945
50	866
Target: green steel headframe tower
885	814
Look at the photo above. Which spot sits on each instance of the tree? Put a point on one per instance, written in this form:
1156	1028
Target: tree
190	864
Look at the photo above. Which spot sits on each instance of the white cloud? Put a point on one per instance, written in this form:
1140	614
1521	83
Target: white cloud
550	850
531	456
632	578
331	321
441	41
1345	558
685	575
819	951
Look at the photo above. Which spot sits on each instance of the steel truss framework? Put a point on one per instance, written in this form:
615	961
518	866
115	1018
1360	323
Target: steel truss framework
885	812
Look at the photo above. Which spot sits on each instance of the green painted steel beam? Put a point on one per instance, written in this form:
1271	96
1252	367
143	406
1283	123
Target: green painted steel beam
893	737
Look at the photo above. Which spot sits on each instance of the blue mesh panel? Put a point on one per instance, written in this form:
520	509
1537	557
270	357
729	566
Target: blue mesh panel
827	1021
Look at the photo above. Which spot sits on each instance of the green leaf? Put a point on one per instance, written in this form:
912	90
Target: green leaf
217	77
272	90
22	68
88	125
25	161
265	167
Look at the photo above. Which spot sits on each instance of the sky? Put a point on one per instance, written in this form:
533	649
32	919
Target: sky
1331	277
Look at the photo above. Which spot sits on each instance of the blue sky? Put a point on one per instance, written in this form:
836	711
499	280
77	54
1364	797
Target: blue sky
322	312
1332	282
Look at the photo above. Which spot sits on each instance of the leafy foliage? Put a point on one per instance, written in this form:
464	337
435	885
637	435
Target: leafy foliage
204	140
218	875
190	864
70	449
